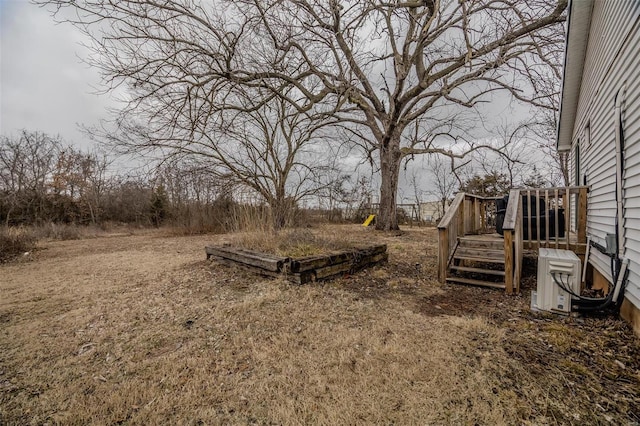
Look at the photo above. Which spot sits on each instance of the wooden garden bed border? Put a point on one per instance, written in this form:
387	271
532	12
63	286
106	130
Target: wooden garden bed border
300	270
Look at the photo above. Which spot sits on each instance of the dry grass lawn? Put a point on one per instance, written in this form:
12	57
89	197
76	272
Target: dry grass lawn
141	329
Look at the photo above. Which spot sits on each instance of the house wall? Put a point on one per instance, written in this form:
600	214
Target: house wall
430	211
612	62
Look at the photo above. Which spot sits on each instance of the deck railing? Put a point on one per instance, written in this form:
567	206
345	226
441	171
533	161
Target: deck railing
555	218
533	218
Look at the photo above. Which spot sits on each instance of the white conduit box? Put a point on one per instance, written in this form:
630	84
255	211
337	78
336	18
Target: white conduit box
566	267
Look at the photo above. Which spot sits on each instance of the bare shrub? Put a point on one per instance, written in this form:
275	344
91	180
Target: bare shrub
15	242
295	242
60	231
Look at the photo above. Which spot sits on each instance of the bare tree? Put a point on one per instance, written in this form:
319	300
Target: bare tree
27	162
517	154
82	177
544	126
396	74
270	147
546	81
417	193
194	199
445	182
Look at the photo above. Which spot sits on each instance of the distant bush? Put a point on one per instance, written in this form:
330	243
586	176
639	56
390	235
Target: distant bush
60	231
15	242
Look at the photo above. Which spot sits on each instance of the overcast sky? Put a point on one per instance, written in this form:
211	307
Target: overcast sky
44	85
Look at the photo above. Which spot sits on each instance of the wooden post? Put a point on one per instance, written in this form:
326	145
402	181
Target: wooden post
443	254
518	249
546	218
582	216
462	213
508	261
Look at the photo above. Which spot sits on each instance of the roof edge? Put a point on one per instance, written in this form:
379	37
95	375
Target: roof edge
578	26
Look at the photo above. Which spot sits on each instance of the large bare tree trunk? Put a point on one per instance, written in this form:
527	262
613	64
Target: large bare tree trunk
282	209
279	215
390	157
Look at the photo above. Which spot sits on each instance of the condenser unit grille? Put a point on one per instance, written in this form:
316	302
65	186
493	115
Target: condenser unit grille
556	269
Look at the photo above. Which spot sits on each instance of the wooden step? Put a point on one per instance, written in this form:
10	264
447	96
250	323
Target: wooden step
477	270
481	243
479	255
475	282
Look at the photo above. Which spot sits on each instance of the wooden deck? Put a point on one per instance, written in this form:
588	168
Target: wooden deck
554	217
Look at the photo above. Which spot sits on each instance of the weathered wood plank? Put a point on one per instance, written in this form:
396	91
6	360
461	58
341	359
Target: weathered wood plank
246	267
479	259
443	253
518	252
546	217
302	278
314	262
309	269
496	272
582	215
479	253
495	244
461	219
475	215
508	261
329	271
475	282
512	210
452	211
259	260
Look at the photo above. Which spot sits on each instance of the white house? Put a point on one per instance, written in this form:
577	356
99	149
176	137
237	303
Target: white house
600	127
431	211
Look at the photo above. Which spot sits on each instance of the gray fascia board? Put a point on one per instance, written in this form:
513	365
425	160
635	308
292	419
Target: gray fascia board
578	25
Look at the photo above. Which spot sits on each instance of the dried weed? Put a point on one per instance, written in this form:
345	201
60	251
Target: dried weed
15	242
297	242
139	330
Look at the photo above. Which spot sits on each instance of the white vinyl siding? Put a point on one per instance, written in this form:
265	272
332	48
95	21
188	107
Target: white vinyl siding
611	22
612	61
631	126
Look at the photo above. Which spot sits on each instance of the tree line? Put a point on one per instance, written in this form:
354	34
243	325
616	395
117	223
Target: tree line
44	180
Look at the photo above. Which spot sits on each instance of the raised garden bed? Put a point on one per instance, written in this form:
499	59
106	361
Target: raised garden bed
300	270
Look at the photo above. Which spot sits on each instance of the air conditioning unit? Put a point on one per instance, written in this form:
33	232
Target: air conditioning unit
556	269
